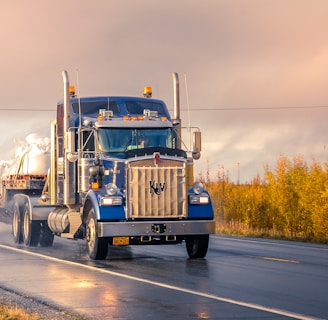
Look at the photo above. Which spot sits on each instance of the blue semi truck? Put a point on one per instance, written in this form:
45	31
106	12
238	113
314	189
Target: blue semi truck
118	176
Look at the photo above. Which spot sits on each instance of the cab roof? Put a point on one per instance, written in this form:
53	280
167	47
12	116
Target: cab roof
120	105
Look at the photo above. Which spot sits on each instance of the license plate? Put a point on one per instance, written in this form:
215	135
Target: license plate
120	241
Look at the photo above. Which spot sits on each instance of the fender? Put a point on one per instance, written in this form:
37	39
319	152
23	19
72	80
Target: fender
37	211
92	197
201	211
105	213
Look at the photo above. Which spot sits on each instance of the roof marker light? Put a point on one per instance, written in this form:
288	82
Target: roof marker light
133	118
148	91
71	91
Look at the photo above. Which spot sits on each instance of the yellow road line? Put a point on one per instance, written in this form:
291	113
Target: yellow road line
275	259
281	260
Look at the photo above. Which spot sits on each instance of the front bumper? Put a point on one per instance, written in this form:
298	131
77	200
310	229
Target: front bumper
155	228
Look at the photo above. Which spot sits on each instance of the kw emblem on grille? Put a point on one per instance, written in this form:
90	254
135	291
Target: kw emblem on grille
157	188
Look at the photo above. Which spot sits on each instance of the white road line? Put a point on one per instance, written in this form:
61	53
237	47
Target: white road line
292	244
167	286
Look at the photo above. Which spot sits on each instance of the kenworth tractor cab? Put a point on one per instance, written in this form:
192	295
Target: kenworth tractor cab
118	176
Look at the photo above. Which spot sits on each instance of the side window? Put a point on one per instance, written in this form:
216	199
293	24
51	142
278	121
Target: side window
88	141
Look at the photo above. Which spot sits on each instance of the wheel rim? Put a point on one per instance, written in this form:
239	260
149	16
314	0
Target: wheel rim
15	222
91	234
26	223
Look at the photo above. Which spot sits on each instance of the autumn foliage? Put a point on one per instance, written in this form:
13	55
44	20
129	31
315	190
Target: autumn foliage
291	201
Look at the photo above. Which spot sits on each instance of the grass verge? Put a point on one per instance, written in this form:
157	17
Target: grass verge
15	313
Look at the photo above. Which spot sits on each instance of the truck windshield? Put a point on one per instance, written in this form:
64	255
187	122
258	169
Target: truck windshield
114	140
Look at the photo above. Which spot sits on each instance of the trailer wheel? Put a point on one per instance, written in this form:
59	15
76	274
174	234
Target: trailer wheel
17	224
197	246
97	247
46	235
31	229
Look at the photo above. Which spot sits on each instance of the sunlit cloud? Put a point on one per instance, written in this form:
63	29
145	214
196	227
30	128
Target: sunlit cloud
235	55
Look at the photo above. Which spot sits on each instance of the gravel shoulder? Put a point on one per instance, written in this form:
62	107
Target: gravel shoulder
33	306
42	309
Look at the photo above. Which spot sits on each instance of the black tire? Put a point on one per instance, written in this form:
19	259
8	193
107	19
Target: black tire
197	246
97	247
31	229
17	223
46	235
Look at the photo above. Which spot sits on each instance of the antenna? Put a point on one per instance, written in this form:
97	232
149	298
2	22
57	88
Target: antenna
188	107
78	96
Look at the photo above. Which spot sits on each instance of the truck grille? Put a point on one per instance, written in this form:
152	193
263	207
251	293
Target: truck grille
156	191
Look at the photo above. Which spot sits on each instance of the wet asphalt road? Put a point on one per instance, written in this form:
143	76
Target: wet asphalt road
239	279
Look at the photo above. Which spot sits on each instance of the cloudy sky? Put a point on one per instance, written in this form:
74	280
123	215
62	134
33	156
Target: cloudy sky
256	72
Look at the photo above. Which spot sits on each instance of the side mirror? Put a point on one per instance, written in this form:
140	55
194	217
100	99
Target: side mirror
72	156
197	145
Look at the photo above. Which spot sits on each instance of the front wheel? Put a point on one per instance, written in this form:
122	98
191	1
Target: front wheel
97	247
197	246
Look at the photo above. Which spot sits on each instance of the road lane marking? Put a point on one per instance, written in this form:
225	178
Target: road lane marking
168	286
274	259
283	243
280	260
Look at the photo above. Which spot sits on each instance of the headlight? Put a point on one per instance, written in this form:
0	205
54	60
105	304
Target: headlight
111	189
196	199
198	188
111	201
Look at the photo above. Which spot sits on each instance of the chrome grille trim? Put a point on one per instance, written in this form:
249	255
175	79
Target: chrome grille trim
156	191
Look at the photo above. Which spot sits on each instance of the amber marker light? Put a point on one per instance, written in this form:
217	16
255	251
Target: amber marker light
71	90
95	185
148	91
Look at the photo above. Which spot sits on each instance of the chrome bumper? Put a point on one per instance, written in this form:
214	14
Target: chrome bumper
155	228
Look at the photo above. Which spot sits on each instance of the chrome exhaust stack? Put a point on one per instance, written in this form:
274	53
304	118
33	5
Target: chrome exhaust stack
69	188
66	101
176	111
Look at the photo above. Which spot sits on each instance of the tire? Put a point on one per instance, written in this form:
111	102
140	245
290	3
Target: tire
97	247
17	224
197	246
46	235
31	229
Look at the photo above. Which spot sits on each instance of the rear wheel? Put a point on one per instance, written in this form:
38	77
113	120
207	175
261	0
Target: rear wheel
197	246
17	223
31	228
97	247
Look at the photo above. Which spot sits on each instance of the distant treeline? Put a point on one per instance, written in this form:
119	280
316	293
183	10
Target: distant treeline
291	201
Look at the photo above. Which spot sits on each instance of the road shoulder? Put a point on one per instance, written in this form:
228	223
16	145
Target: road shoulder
43	310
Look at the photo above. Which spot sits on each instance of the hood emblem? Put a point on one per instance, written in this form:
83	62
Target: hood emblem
157	158
157	188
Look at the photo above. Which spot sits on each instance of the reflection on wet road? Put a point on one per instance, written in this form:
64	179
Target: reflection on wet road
240	279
